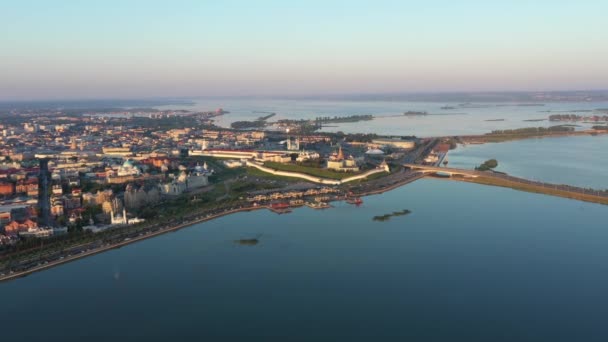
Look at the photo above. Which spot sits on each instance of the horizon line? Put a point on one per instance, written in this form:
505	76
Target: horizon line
300	96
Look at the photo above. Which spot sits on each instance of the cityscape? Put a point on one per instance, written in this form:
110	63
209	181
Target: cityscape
270	179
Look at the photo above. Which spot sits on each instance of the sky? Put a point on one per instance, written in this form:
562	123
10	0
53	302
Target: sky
124	49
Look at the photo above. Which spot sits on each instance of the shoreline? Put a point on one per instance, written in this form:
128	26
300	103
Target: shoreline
15	275
378	190
105	248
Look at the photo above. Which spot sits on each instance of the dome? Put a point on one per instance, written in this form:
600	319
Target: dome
127	163
374	152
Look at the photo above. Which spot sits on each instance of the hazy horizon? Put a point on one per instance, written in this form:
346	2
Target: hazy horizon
65	50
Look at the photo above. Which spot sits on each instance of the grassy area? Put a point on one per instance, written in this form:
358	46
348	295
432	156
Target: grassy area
313	171
243	186
534	189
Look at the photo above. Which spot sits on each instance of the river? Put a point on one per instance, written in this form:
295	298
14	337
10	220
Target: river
462	120
470	263
578	161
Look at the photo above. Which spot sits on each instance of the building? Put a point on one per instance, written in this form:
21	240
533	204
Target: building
138	196
6	188
97	198
398	143
112	205
123	219
57	208
36	232
57	189
44	192
185	182
307	155
117	151
14	227
27	186
293	144
340	163
128	169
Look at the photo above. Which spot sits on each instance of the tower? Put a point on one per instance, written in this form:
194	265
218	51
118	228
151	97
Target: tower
44	195
340	154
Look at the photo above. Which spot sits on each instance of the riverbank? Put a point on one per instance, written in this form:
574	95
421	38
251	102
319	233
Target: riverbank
125	242
381	185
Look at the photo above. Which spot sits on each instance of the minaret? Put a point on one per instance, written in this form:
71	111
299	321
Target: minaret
124	216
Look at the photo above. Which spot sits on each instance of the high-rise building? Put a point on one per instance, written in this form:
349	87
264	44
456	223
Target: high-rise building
44	193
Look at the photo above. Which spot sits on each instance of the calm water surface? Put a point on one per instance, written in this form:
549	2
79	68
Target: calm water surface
470	263
579	161
458	121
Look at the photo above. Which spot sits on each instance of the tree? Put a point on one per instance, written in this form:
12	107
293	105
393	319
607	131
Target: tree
487	165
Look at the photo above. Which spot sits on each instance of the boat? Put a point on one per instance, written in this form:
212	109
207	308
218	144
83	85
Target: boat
355	201
318	205
279	205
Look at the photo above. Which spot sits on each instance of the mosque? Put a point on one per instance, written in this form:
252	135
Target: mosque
123	219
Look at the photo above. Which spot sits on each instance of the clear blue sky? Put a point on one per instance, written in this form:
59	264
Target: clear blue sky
101	49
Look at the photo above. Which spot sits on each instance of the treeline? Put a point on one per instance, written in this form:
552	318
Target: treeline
338	119
574	117
534	130
248	124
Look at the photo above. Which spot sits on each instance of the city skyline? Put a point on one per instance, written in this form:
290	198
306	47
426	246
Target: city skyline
69	50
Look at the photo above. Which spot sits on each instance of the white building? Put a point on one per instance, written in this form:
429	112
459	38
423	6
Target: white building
184	182
123	220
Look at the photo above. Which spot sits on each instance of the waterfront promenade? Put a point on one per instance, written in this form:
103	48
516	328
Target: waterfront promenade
141	236
410	173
